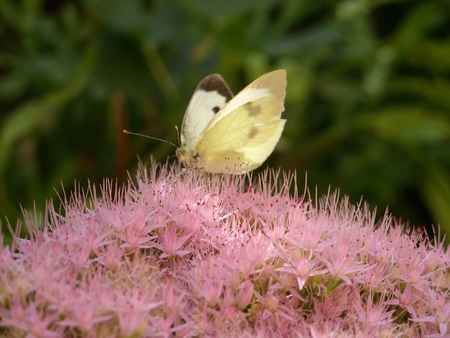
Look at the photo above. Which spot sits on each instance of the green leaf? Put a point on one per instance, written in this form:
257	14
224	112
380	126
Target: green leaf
32	114
435	188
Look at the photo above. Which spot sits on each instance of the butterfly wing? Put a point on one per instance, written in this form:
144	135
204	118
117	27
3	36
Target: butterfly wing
211	95
245	131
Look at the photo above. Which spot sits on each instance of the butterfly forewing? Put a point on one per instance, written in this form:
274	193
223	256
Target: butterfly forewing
210	96
256	129
270	84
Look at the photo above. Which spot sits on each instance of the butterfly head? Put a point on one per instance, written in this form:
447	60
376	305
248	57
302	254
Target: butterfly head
188	158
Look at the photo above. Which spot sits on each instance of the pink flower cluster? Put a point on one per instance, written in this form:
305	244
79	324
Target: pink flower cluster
199	255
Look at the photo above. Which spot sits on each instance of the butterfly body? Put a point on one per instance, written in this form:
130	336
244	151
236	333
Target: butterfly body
225	134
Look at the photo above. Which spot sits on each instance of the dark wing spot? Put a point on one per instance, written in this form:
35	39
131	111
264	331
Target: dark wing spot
253	132
216	109
252	109
215	82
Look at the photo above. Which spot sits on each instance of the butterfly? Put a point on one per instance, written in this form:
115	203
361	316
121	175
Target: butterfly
225	134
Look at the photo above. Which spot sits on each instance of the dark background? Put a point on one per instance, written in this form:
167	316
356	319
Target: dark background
368	96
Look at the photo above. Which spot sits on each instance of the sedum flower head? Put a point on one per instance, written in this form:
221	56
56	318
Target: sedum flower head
192	255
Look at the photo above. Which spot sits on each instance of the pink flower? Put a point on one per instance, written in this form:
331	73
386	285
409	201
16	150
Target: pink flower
194	254
439	313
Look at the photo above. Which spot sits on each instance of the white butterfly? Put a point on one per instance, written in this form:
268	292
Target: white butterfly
225	134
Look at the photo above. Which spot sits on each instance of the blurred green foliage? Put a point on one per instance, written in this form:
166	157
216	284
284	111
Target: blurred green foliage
368	97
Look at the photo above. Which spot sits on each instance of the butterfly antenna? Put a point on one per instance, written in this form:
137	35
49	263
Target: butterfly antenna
154	138
178	135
